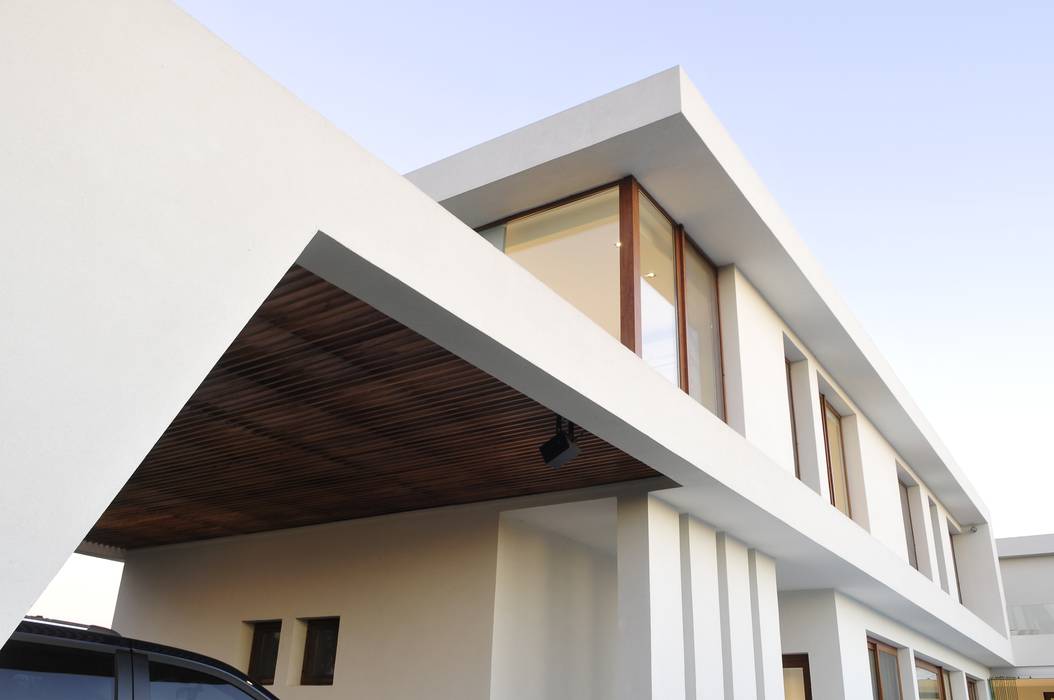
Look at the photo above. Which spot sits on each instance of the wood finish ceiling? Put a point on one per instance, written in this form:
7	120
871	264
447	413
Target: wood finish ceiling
324	409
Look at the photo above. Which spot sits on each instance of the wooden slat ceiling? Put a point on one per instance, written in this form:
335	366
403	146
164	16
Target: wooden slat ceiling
325	409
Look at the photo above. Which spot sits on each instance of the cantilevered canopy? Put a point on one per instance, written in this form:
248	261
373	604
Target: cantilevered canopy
325	409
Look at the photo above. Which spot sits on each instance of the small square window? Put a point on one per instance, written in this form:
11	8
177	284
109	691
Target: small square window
320	651
263	657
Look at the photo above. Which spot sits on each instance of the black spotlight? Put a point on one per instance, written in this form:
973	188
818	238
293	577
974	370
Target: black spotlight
560	448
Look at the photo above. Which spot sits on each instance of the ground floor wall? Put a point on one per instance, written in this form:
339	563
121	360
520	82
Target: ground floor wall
834	630
414	594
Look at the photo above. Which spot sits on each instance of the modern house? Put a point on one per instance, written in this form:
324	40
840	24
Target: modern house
1027	565
305	398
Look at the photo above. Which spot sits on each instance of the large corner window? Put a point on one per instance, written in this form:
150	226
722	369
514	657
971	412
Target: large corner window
574	249
885	671
617	256
834	445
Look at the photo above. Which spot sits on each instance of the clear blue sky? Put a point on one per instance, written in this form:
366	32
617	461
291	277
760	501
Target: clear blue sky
911	143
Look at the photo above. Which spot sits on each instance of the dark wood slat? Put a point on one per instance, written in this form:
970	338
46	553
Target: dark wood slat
324	409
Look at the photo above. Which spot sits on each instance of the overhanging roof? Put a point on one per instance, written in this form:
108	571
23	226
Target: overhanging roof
661	131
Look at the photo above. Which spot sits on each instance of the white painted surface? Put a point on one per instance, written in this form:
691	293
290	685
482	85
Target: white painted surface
414	593
737	621
84	591
764	611
704	676
1028	580
650	620
555	614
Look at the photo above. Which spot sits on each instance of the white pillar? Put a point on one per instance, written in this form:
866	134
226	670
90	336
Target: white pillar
958	690
704	675
650	618
908	683
764	608
919	506
737	625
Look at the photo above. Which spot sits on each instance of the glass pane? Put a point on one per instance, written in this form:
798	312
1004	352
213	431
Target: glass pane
574	250
169	682
929	684
794	684
320	652
702	331
909	529
658	291
887	666
876	693
836	459
40	671
264	655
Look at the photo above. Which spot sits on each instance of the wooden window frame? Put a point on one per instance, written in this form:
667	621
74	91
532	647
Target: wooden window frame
261	627
824	405
800	661
874	648
939	671
629	194
305	677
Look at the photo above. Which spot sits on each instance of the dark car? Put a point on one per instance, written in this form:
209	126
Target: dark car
52	660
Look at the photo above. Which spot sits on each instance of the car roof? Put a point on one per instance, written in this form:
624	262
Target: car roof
61	629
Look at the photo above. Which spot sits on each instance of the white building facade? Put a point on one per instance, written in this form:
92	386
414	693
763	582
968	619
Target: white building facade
302	396
1027	565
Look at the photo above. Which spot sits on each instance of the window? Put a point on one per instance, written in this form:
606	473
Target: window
909	526
971	689
47	672
796	682
938	548
263	657
701	328
955	564
658	292
834	445
930	680
574	250
169	682
320	651
885	671
794	424
620	259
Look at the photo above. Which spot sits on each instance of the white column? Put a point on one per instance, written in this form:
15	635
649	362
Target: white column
704	675
737	625
908	683
959	690
920	518
945	563
764	608
650	618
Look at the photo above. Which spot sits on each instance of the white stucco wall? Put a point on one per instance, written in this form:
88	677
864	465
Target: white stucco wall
1030	581
833	630
414	593
555	617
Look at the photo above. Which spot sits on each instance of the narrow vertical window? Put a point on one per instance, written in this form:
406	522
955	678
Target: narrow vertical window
320	651
794	424
971	689
702	331
885	671
837	477
263	655
938	548
955	564
574	249
909	526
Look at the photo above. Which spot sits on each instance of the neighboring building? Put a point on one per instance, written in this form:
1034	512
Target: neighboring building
1027	564
304	402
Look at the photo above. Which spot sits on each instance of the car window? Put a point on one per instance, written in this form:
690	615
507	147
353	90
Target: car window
31	671
169	682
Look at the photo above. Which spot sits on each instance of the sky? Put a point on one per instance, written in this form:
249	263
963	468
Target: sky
911	144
